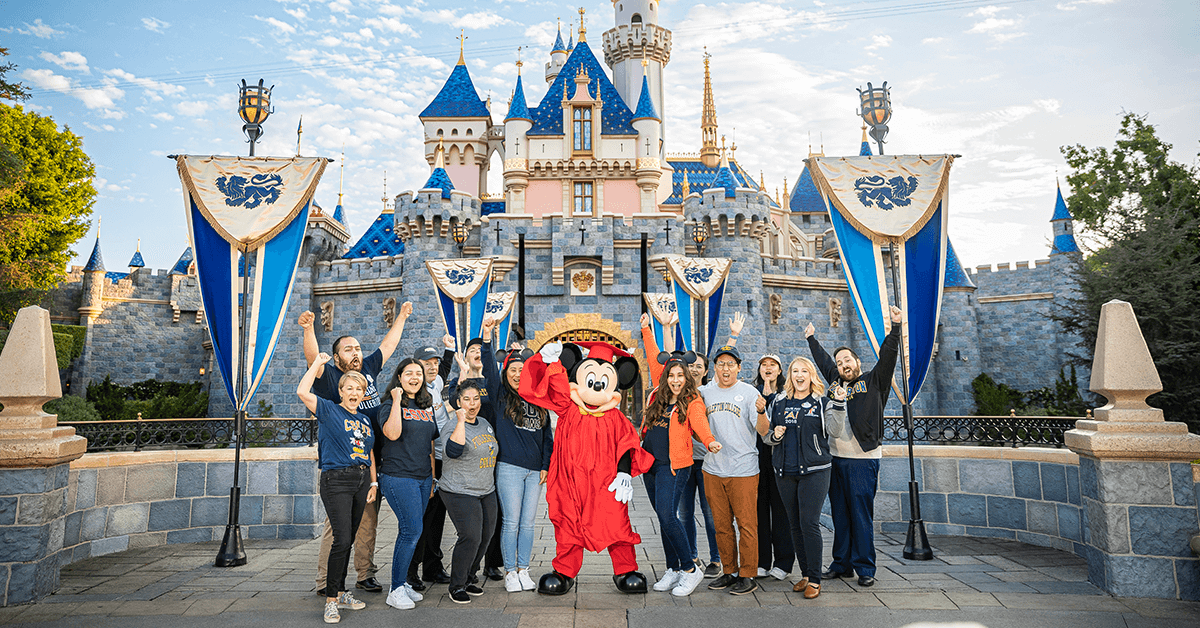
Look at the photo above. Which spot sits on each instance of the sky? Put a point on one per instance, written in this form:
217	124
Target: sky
1005	84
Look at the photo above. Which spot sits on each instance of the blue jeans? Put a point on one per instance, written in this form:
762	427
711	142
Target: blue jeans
665	489
519	490
852	489
408	498
687	514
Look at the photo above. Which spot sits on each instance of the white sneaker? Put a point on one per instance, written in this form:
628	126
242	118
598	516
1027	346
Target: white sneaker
688	582
399	599
527	583
668	582
512	582
762	573
346	600
778	573
412	593
332	616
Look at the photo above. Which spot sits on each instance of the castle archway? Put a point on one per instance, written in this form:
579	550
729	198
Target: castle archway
591	327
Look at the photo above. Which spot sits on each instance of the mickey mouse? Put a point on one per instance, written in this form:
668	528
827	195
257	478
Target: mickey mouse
596	454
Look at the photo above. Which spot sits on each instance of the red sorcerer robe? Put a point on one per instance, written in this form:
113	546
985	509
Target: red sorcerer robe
586	450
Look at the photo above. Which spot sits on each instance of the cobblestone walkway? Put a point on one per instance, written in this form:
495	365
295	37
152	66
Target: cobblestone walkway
991	581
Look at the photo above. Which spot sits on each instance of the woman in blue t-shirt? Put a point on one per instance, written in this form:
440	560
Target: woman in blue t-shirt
801	423
408	431
345	440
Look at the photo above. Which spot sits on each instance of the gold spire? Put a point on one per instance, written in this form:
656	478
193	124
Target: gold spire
384	197
864	134
785	188
687	189
439	156
519	62
342	174
99	219
139	247
462	41
762	183
299	132
708	120
582	28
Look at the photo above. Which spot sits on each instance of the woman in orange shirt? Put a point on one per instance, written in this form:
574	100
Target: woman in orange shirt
675	413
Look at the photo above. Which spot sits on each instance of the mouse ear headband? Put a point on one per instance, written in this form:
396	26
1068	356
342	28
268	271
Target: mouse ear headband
684	358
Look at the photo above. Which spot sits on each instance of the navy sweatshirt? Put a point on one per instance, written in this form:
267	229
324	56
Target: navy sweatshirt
804	447
525	448
867	394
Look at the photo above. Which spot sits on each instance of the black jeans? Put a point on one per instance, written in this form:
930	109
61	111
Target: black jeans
428	554
344	494
475	519
773	535
803	496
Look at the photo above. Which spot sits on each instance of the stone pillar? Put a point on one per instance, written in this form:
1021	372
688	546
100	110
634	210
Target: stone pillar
35	456
1139	495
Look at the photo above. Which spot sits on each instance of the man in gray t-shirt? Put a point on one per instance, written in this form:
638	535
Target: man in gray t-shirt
736	416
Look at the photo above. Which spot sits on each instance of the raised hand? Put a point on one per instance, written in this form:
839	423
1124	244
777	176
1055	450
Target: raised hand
839	392
448	342
809	331
486	328
897	314
550	352
397	393
645	320
405	311
736	323
322	358
306	320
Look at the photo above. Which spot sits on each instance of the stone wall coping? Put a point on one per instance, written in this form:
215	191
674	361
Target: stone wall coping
1033	454
137	458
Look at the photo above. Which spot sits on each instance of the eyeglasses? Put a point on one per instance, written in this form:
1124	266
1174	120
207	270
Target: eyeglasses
726	365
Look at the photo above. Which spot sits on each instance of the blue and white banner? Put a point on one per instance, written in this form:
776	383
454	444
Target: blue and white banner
462	281
699	287
500	307
874	202
663	319
257	207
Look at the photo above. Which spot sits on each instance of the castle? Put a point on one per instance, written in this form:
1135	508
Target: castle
592	205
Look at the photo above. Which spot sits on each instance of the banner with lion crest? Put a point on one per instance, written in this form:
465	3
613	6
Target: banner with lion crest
461	282
879	201
500	307
663	317
246	215
699	287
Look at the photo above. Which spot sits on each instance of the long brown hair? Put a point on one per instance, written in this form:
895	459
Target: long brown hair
662	394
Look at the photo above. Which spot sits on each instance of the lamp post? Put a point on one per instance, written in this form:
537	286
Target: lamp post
699	236
254	105
459	233
875	107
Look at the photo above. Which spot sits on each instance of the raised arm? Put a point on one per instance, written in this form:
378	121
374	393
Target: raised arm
491	374
304	389
824	363
457	441
888	351
393	425
544	381
310	341
735	328
763	424
387	346
447	361
650	343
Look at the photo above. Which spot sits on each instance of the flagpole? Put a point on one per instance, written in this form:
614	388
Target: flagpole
916	545
232	552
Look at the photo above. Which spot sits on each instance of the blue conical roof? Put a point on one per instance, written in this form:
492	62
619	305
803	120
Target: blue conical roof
956	276
558	44
805	197
645	106
439	179
96	261
548	115
1064	243
339	215
865	149
137	262
458	98
517	109
185	260
571	42
725	179
379	239
1060	208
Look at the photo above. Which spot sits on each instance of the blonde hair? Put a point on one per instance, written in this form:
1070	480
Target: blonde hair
816	386
353	376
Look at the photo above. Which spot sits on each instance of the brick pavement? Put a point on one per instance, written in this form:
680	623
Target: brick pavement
995	581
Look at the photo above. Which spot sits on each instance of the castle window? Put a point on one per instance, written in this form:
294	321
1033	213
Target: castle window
636	19
454	132
581	129
584	205
468	132
440	133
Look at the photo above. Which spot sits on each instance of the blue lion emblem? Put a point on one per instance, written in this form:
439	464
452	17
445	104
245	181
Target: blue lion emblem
887	194
262	188
698	275
460	277
493	306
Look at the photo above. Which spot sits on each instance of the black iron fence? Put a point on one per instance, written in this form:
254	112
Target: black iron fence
192	433
996	431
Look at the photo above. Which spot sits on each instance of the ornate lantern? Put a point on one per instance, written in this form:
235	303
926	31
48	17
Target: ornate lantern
875	107
459	233
254	106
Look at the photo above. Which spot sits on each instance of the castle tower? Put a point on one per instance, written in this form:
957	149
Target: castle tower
558	56
1064	227
958	358
637	36
136	262
91	303
709	155
648	125
339	214
516	159
461	119
864	150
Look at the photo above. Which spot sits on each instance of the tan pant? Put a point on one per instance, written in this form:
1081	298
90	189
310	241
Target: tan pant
729	499
364	545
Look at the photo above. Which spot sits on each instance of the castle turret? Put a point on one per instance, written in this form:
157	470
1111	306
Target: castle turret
558	56
516	158
136	262
1064	228
709	155
461	119
91	302
637	37
649	170
864	150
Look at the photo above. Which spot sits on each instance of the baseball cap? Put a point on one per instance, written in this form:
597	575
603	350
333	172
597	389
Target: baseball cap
427	353
771	356
730	351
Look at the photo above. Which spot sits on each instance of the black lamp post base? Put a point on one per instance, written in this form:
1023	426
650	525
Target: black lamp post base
916	546
232	552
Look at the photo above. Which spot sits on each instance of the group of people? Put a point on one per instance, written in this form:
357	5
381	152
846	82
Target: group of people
761	457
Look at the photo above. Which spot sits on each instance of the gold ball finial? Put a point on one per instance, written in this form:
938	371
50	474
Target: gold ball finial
582	27
462	40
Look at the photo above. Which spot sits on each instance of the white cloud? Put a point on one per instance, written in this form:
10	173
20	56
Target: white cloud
933	40
39	29
47	79
297	13
391	25
879	41
992	24
477	21
193	108
1000	29
280	26
155	24
73	61
164	116
988	11
1075	4
155	90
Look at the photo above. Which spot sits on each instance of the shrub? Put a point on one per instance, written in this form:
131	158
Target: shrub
64	345
992	399
152	398
1060	399
77	332
72	408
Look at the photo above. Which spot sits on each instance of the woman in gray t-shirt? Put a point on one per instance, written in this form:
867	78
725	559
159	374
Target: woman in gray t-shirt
468	488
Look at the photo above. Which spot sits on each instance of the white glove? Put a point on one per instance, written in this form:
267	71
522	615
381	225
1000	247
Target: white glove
622	487
550	352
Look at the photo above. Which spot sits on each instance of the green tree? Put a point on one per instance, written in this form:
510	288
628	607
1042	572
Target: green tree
1145	212
10	164
48	210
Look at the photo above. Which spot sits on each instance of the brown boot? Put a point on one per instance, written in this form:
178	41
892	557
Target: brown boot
799	586
812	591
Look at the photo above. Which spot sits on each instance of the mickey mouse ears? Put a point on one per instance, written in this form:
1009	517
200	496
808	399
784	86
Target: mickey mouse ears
601	351
677	356
517	355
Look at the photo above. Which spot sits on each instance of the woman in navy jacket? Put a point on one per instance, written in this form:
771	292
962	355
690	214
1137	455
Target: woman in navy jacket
801	423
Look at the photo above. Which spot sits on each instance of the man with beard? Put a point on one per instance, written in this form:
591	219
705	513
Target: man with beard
428	551
857	451
348	356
